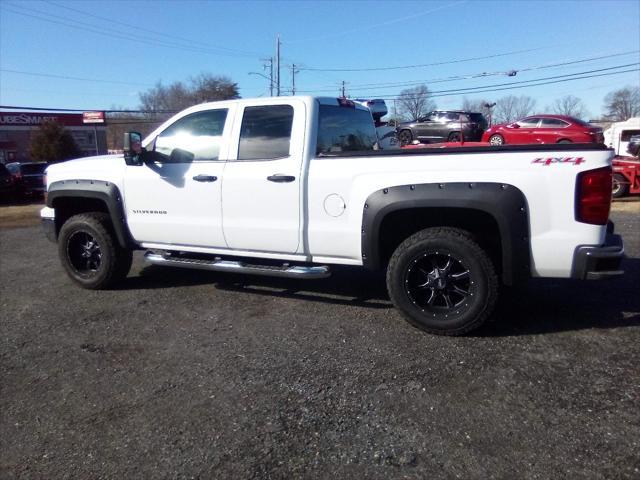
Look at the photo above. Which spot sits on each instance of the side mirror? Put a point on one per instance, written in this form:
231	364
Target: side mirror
514	125
179	155
133	148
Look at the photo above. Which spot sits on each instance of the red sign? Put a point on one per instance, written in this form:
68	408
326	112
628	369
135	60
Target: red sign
93	117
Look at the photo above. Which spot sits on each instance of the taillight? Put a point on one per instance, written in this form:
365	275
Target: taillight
593	196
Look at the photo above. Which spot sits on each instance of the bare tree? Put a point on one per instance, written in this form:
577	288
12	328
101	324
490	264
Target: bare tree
482	106
415	102
622	104
180	95
569	105
511	108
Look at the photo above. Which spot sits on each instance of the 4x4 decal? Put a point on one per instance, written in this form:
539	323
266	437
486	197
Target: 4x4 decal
550	160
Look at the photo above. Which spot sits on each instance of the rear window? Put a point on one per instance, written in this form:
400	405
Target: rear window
33	169
627	134
345	129
582	123
476	117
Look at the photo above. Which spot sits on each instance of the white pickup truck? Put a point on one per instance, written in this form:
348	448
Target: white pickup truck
289	186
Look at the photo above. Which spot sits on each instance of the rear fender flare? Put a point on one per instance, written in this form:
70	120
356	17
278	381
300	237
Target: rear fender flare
505	203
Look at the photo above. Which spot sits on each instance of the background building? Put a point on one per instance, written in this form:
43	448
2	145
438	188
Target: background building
17	128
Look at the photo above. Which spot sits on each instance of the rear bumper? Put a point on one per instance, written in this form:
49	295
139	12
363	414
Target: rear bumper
595	263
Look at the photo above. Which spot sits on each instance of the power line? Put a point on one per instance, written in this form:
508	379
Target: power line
524	86
385	85
369	27
154	32
401	67
67	77
537	79
129	37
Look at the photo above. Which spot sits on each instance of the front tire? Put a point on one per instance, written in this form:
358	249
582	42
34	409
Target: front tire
442	281
496	140
90	253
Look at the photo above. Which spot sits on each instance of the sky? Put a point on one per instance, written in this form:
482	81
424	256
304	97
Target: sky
95	55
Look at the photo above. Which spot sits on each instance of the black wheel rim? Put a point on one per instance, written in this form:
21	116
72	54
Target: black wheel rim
439	284
84	254
454	137
405	137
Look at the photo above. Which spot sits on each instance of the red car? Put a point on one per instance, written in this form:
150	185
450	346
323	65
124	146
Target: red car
544	129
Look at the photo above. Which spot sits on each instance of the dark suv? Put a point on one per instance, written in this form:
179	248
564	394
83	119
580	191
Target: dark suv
443	126
28	177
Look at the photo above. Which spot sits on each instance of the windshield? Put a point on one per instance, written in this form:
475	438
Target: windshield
33	168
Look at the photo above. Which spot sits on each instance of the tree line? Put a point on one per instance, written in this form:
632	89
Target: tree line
619	105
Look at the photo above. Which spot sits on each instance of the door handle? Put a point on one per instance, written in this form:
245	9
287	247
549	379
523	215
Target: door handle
205	178
280	178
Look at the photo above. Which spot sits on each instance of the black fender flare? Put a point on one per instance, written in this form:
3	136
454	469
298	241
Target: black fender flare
505	203
101	190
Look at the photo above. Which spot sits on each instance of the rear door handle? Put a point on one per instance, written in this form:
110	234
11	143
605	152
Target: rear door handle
279	178
205	178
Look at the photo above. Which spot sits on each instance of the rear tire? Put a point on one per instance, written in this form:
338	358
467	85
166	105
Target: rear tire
405	137
442	281
565	141
90	253
620	186
454	137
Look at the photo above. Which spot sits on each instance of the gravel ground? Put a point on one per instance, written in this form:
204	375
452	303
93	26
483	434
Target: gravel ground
187	374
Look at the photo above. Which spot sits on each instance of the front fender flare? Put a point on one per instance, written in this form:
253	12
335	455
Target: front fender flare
107	192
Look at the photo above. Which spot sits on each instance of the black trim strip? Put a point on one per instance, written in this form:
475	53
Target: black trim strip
553	147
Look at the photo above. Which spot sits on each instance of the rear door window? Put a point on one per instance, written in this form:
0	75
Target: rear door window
266	132
345	129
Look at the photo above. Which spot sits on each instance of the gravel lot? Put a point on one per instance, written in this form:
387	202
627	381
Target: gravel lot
187	374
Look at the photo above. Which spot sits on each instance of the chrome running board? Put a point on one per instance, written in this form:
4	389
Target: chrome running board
220	265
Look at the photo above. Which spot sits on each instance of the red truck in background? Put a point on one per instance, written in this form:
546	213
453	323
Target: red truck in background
626	176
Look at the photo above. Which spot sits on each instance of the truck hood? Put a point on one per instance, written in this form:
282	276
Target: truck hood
103	167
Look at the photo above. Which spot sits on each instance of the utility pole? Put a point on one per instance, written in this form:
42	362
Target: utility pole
278	65
269	64
293	78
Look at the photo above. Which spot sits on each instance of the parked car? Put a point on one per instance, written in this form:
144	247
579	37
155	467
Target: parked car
443	126
28	178
544	129
633	148
7	184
